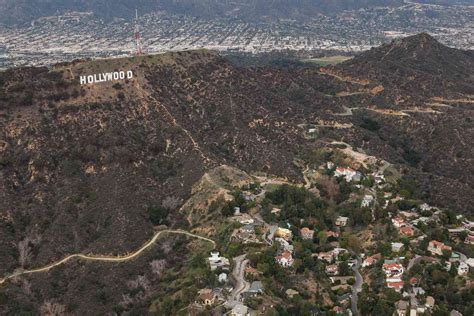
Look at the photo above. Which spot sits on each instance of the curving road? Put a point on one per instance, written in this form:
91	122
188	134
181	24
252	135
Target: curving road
241	284
357	287
105	258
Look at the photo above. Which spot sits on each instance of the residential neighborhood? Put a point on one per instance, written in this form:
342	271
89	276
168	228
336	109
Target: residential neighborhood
379	249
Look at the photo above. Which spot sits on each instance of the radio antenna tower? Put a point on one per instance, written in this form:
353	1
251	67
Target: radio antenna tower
138	39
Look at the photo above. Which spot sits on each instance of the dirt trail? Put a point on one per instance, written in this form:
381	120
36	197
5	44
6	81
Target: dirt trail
105	258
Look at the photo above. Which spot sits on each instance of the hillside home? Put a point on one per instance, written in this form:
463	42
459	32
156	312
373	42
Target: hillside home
326	256
285	259
398	222
306	233
469	239
401	308
216	261
437	247
406	231
397	246
332	269
341	221
395	283
347	173
330	233
207	297
463	269
368	262
393	269
284	233
239	310
367	201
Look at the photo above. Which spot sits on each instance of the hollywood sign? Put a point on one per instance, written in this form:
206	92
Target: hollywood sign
106	76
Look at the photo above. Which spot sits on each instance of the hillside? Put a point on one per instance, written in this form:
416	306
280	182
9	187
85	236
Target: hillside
93	168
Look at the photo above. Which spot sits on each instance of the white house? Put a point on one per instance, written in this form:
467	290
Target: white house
367	201
285	259
216	261
347	173
463	269
397	246
341	221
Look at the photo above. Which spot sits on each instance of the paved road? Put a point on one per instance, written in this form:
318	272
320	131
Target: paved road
357	287
105	258
241	284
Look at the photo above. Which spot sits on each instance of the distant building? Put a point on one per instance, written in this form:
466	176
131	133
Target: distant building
395	283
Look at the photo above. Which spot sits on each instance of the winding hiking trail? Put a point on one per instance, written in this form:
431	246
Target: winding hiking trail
106	258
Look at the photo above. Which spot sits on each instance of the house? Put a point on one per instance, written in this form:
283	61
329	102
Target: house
468	224
379	178
395	283
275	210
216	261
341	221
368	262
398	222
425	207
285	259
397	246
344	299
401	308
330	233
249	271
418	291
239	310
469	239
455	232
437	247
332	269
430	302
455	313
326	256
393	269
347	173
367	201
244	218
463	269
306	233
406	231
286	246
337	310
256	288
206	297
470	262
330	165
291	293
222	278
284	233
